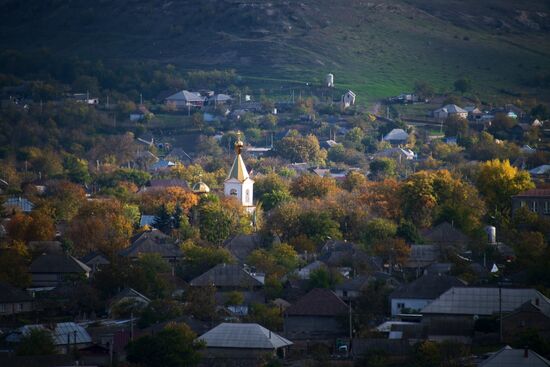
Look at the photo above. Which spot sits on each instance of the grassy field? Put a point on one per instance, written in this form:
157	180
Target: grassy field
375	48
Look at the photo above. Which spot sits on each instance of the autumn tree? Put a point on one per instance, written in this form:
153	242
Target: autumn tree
172	196
14	264
37	226
300	149
312	186
429	196
498	181
100	225
277	261
382	168
219	219
65	198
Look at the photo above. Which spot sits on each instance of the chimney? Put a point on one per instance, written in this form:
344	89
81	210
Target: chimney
526	352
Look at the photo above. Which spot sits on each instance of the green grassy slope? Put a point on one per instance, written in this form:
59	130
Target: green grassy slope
376	48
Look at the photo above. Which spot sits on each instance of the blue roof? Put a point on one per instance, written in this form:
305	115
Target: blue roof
19	202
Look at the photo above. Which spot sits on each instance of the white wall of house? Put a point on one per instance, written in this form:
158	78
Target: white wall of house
398	304
243	191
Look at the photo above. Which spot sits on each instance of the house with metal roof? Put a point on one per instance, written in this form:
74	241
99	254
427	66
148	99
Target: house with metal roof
66	335
316	316
396	137
17	204
247	343
450	110
185	99
510	357
454	313
229	277
417	294
50	270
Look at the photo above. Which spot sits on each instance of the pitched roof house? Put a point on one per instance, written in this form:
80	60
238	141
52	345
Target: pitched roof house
445	234
229	277
450	110
241	245
396	137
317	315
51	270
184	99
248	342
536	200
421	292
14	300
152	242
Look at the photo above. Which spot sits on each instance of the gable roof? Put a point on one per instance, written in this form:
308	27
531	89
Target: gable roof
445	233
451	108
397	134
9	294
226	275
509	357
95	255
422	255
484	301
245	336
151	242
540	170
241	245
186	96
58	264
318	302
429	286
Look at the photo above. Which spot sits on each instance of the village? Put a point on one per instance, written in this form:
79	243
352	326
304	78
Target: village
296	226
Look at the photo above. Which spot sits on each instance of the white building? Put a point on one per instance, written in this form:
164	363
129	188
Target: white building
329	80
348	99
239	184
450	110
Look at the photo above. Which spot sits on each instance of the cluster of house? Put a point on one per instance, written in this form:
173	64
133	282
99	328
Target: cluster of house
432	305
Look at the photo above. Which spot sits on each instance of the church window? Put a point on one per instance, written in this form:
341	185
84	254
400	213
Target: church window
233	192
247	196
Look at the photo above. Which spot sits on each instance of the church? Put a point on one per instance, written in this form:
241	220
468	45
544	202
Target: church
239	184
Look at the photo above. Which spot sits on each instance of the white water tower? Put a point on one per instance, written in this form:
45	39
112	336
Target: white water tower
329	80
491	234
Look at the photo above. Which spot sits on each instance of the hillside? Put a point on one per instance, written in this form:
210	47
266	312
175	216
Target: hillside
377	48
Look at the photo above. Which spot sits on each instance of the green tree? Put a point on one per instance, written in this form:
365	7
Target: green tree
76	169
37	342
175	346
463	85
382	168
163	220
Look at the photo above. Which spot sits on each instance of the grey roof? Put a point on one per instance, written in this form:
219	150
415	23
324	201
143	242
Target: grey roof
19	202
508	357
146	220
59	333
318	302
9	294
429	286
540	170
221	97
241	245
226	275
186	96
58	264
354	284
422	255
445	233
484	301
245	336
451	108
396	134
152	242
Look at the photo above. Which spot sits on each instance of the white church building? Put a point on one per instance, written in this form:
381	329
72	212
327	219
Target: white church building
239	184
